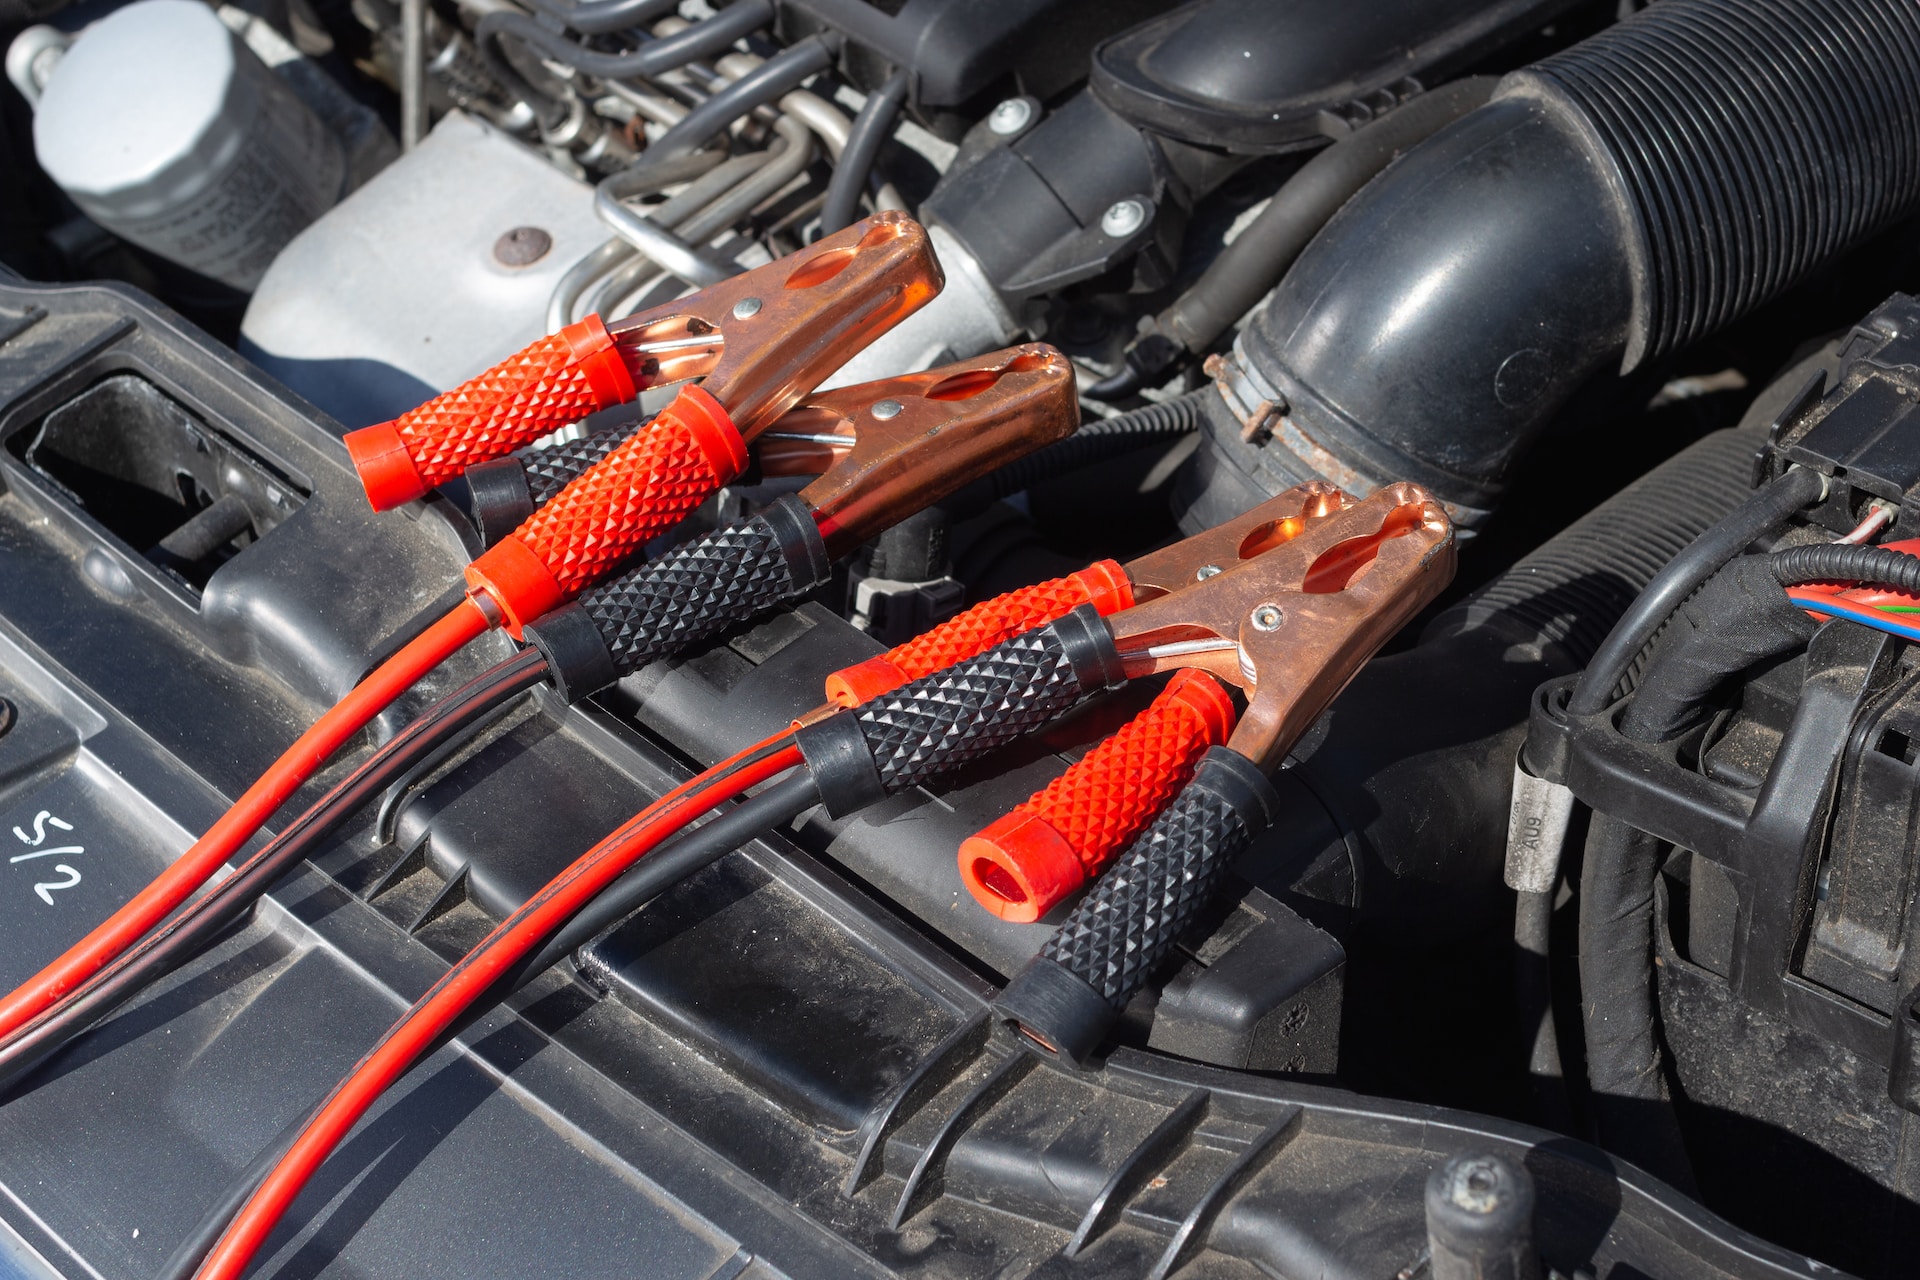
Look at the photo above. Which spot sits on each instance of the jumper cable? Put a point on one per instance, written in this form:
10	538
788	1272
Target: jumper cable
769	336
841	293
1308	597
935	432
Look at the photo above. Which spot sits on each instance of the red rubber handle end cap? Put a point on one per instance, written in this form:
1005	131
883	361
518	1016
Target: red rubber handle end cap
1108	588
517	580
706	419
386	468
1020	866
864	681
597	358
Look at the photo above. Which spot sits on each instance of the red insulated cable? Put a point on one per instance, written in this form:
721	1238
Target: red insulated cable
249	813
515	938
640	490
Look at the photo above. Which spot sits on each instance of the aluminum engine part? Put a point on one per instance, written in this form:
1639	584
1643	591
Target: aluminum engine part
966	319
409	286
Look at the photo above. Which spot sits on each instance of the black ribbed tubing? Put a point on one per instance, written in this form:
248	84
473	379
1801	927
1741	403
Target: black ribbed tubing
1569	591
1101	438
1840	562
1756	138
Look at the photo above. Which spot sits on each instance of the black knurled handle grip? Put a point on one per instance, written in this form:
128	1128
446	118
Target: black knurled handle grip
553	468
1124	929
956	715
707	584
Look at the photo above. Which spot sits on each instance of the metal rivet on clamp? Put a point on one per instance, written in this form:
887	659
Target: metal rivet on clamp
746	308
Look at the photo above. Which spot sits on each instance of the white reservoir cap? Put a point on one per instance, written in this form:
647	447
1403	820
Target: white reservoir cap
139	116
170	133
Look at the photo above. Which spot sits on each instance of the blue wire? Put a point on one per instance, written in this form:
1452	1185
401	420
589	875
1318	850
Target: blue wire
1865	615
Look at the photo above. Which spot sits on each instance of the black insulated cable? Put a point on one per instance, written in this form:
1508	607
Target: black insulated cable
775	807
1742	616
703	39
1307	201
871	129
769	81
1098	439
1763	513
601	17
1626	1069
687	595
779	804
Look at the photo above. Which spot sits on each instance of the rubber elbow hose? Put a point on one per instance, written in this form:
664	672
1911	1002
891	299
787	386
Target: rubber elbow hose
1612	204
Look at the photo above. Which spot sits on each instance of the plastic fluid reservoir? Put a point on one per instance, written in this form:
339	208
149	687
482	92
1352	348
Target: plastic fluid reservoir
169	132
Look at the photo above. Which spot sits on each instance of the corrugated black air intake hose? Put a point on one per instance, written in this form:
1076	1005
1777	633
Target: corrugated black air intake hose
1613	203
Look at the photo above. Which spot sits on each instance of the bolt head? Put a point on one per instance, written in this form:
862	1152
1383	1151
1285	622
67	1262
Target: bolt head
885	409
1267	617
1123	218
1010	117
522	247
1205	571
746	308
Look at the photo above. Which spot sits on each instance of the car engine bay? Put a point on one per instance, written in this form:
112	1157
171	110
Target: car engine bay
960	639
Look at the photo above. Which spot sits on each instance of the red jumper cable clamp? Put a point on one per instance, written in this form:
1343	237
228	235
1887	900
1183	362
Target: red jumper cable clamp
881	450
773	332
821	307
1297	606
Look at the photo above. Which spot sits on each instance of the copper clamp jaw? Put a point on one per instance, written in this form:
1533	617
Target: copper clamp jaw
764	339
1288	601
884	450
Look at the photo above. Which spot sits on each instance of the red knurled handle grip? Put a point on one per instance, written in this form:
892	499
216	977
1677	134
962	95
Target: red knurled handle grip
1062	837
556	381
1104	585
624	501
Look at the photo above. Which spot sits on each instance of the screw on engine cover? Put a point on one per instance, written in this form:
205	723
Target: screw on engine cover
1010	117
746	308
1267	617
1205	571
1123	218
885	409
